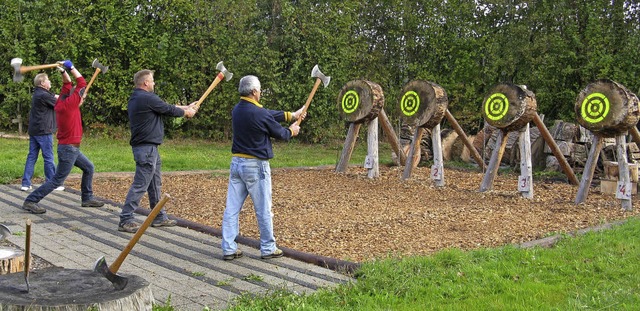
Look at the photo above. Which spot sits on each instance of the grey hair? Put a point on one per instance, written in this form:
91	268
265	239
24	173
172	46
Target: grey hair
39	79
141	76
248	84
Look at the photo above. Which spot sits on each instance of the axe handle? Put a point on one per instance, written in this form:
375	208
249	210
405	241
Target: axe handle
24	69
27	250
86	89
306	105
215	82
147	222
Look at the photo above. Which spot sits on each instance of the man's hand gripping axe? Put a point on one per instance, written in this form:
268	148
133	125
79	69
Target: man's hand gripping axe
110	272
315	73
223	74
99	68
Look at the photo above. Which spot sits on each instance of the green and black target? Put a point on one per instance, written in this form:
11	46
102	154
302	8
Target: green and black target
607	108
422	103
360	101
509	106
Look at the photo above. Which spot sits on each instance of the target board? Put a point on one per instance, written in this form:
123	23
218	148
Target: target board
360	101
423	104
509	107
607	108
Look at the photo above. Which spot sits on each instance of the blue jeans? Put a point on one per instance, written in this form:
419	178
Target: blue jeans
248	177
36	144
68	157
147	179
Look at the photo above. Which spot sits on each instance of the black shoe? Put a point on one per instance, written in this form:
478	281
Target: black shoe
33	207
92	203
164	223
233	256
276	254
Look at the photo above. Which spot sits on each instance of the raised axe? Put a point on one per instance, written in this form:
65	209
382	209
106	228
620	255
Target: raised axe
315	73
111	272
4	232
27	253
99	68
223	74
19	70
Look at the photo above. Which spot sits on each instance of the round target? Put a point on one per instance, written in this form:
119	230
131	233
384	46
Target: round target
410	103
350	101
595	107
496	106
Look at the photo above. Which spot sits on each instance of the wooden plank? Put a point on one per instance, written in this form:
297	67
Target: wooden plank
371	163
526	170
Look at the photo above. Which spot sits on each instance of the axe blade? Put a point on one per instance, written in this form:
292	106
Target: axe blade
227	74
316	73
98	65
17	75
118	281
4	232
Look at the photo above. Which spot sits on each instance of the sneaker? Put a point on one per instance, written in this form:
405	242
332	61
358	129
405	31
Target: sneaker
25	188
233	256
164	223
33	207
130	227
92	203
276	254
61	188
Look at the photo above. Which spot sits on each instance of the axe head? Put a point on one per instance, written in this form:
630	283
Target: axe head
119	282
4	232
227	74
17	75
316	73
96	64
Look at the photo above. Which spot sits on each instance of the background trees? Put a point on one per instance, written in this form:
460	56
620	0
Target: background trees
554	47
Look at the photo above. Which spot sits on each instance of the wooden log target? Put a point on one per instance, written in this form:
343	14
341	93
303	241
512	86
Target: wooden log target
360	101
423	104
509	107
607	108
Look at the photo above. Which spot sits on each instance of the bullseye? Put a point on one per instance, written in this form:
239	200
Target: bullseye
496	106
595	107
350	101
410	103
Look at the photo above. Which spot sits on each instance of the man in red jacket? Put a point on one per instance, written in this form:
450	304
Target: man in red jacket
69	135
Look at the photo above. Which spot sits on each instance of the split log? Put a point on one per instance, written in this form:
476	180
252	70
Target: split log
11	261
607	108
423	104
360	101
509	107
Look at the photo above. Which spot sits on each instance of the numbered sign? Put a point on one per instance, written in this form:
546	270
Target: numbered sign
524	183
436	172
368	162
623	190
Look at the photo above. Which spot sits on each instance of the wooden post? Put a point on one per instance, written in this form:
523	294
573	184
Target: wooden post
437	170
566	168
472	150
589	168
349	143
414	152
623	191
371	162
635	135
494	163
387	129
525	181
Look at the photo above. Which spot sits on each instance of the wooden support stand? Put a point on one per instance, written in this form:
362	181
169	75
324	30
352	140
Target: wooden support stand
494	163
525	180
566	168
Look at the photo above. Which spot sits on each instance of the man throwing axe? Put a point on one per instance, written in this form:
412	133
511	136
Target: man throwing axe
250	173
145	110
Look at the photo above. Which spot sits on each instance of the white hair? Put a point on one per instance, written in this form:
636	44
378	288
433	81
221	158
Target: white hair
248	84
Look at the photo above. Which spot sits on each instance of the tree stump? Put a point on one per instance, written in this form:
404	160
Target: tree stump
607	108
509	107
360	101
423	104
68	289
11	261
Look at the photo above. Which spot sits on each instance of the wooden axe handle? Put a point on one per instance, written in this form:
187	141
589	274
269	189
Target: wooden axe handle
24	69
217	80
27	249
147	222
86	89
306	105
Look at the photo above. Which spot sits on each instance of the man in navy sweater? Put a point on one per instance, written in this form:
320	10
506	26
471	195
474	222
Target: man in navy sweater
145	110
250	173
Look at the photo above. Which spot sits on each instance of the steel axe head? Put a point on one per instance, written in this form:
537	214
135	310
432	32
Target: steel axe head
96	64
227	74
316	73
4	232
17	75
118	281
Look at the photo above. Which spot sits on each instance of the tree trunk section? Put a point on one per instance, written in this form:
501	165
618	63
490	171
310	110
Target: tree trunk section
360	101
11	261
509	107
423	104
607	108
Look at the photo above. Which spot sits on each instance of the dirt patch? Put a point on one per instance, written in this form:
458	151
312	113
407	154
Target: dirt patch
351	217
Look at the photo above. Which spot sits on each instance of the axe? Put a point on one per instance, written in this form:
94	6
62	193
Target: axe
315	73
4	232
224	73
110	272
99	68
18	69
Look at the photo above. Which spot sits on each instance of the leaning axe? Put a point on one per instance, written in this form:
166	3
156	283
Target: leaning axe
4	232
224	73
110	272
99	68
18	69
315	73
